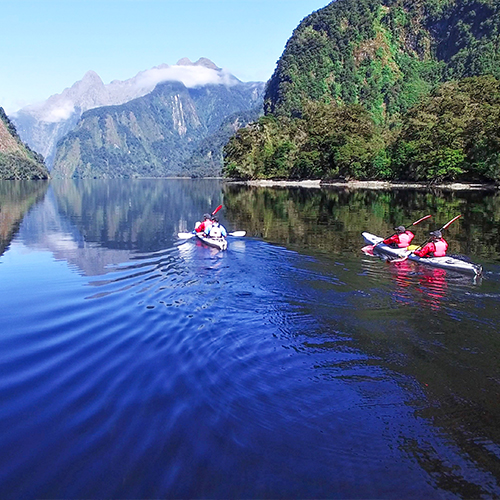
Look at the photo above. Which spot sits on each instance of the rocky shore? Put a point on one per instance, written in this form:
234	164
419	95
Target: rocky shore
450	186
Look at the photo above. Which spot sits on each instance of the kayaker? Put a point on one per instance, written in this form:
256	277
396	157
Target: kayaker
207	222
216	230
435	248
400	239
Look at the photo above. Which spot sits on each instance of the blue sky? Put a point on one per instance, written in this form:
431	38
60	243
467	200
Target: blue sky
50	44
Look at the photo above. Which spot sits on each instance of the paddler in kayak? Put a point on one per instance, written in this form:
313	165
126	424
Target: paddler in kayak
201	226
435	248
216	230
400	239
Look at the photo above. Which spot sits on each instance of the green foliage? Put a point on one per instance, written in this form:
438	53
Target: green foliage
18	161
452	134
357	74
18	167
328	141
385	54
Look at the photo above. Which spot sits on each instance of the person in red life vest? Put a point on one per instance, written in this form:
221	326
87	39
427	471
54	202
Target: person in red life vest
203	226
435	248
401	239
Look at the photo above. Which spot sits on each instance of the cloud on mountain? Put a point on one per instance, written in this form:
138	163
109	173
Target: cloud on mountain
90	92
62	112
190	76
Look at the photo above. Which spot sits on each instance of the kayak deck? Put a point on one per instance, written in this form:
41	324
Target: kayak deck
220	243
447	262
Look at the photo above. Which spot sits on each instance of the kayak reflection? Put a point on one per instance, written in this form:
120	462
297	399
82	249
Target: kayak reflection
430	283
433	286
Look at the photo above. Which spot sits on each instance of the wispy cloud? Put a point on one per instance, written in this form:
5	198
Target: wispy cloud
84	94
190	76
62	112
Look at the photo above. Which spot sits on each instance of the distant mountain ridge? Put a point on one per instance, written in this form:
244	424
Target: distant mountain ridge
17	161
154	135
42	125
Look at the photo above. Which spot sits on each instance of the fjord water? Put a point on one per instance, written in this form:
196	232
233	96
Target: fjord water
135	365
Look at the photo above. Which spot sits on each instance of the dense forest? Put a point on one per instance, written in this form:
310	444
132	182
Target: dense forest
381	89
17	160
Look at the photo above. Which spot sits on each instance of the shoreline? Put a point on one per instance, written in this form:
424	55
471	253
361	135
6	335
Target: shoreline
318	184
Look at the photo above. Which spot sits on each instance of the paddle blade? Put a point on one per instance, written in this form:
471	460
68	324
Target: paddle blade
420	220
368	249
238	234
452	220
217	209
185	236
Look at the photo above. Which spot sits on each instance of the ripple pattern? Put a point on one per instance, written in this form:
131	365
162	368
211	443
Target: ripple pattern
256	372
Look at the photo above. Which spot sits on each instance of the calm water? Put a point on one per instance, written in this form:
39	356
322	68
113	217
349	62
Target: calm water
133	365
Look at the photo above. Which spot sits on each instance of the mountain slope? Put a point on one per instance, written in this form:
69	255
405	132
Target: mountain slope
207	157
351	76
151	136
384	54
43	124
17	161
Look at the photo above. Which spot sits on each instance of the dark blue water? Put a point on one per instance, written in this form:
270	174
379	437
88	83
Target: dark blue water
135	365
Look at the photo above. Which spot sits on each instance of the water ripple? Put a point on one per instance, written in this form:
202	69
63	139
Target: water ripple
187	363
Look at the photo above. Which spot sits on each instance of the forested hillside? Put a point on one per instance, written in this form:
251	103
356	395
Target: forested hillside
356	79
155	135
17	161
207	158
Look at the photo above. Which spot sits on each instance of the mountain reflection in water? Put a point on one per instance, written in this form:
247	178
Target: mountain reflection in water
135	365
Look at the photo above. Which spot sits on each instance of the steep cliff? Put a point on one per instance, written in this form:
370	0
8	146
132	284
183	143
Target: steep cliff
154	135
17	161
384	54
42	125
355	72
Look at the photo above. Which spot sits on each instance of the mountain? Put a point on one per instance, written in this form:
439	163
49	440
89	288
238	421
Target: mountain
207	158
43	124
384	54
17	161
351	76
154	135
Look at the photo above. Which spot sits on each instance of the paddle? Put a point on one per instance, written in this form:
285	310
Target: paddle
412	224
427	240
235	234
217	209
420	220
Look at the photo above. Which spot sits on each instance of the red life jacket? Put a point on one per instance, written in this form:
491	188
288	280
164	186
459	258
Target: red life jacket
405	239
440	248
204	226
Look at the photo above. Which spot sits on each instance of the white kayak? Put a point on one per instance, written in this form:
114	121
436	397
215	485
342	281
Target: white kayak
450	263
220	243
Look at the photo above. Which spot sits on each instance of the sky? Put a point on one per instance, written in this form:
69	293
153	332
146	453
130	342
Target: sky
48	45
